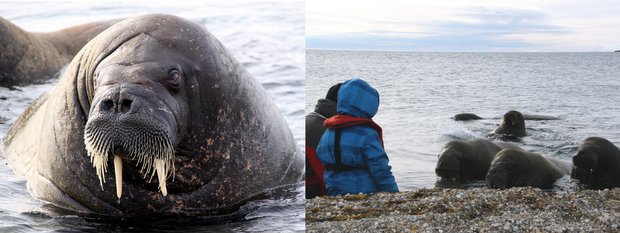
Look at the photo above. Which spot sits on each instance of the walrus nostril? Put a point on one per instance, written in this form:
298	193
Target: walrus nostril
113	106
107	106
126	105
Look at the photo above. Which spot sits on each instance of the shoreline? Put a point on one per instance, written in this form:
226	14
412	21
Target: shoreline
477	209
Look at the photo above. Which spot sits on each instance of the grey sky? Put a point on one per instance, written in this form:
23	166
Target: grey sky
525	25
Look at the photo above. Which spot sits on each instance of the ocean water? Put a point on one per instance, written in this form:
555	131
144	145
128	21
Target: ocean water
421	91
266	37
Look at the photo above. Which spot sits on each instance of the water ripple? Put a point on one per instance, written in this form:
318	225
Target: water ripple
421	91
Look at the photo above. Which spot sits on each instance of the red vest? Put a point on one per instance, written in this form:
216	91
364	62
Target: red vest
318	170
335	122
343	121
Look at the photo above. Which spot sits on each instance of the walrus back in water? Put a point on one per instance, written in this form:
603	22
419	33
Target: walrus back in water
27	57
516	168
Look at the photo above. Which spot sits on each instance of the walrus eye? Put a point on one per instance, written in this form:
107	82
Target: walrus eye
174	78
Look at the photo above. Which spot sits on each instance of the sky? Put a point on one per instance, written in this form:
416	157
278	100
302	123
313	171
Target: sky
469	26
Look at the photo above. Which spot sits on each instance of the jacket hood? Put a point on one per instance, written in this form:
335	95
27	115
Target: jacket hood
325	107
357	98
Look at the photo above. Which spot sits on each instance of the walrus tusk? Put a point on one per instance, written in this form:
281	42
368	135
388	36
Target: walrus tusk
118	172
160	168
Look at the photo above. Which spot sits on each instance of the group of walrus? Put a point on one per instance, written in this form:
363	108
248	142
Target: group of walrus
503	165
183	127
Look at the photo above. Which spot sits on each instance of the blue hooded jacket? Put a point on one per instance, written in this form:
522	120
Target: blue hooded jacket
360	146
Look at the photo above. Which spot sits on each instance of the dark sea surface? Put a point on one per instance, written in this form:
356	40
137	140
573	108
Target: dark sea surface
266	37
421	91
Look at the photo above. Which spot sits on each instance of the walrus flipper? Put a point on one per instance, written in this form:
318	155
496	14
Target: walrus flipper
23	158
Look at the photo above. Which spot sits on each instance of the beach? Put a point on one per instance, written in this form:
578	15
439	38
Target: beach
467	210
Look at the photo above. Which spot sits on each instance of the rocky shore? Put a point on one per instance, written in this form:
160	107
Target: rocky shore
467	210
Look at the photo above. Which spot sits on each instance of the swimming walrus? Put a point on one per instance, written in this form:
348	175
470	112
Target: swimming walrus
466	117
597	164
28	57
512	125
468	160
517	168
528	117
183	127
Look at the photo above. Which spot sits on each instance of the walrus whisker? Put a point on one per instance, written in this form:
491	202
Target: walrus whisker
98	154
162	151
152	151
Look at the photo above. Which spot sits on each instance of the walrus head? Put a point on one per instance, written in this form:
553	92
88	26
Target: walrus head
512	125
500	177
172	111
594	162
449	164
585	162
503	172
138	112
456	161
513	119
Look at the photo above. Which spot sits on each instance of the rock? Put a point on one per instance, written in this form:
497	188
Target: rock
478	209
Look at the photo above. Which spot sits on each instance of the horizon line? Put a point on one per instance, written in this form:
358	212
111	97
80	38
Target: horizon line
435	51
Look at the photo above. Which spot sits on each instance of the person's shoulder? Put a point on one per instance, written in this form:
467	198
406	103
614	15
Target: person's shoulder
315	115
363	130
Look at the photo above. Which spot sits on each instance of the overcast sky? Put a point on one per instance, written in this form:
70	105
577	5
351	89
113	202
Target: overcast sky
439	25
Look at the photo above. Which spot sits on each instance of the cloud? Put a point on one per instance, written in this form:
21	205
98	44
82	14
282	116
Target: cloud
471	27
504	21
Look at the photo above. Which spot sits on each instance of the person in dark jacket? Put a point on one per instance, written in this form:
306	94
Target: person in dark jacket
325	108
357	163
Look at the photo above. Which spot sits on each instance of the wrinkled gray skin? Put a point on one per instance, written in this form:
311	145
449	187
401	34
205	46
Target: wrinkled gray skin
231	143
468	160
597	164
27	57
517	168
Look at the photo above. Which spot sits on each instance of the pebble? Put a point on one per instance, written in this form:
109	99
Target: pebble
477	209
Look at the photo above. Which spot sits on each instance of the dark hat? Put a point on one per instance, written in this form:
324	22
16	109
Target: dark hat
332	94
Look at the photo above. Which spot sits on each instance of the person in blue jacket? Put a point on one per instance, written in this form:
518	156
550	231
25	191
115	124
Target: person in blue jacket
351	149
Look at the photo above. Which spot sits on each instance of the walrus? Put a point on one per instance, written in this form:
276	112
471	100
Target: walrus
183	127
512	125
528	117
468	160
517	168
28	57
466	117
597	164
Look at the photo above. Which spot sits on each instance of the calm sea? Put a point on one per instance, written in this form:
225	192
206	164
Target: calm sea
421	91
266	37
